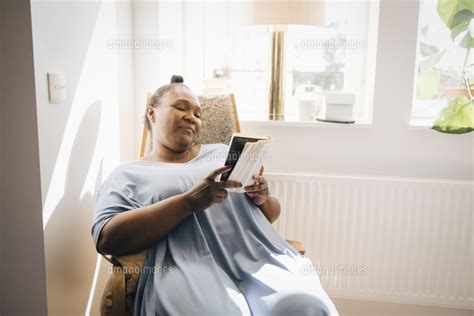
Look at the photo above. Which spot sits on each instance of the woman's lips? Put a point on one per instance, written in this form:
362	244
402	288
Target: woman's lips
188	129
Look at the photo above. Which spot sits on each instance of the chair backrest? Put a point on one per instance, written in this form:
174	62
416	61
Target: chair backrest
219	121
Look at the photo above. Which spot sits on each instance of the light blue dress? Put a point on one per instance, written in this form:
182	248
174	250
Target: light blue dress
225	260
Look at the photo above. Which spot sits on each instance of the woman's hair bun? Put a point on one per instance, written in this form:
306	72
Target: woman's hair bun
177	79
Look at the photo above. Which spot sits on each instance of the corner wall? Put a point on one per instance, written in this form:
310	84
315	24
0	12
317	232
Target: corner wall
22	266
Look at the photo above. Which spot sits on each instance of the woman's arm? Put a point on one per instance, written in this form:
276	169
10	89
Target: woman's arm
271	209
133	231
258	192
139	229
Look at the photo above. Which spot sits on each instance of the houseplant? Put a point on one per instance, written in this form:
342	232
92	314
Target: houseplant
457	116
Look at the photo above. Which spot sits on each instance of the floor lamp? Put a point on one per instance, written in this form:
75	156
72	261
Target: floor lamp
278	14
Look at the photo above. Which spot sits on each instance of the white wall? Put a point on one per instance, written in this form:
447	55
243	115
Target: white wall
82	138
387	147
146	63
22	269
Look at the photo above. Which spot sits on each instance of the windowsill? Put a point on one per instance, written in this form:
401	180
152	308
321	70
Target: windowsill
415	124
312	124
419	123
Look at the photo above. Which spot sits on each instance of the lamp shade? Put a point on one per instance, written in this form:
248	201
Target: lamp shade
288	12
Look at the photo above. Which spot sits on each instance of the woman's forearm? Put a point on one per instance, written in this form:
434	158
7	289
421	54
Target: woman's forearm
133	231
136	230
271	209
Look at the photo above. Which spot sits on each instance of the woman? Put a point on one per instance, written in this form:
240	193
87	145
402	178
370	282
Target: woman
210	251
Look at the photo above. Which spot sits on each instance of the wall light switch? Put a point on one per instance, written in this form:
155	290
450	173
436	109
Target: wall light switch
57	87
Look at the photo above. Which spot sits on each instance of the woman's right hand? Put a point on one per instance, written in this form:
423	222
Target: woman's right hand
208	191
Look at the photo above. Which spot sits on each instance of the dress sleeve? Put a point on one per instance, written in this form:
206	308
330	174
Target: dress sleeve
116	195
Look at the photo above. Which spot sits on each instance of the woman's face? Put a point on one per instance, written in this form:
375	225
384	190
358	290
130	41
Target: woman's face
177	120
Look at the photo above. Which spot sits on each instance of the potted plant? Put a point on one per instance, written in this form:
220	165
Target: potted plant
457	116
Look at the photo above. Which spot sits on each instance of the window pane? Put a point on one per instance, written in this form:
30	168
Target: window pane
335	57
440	64
213	40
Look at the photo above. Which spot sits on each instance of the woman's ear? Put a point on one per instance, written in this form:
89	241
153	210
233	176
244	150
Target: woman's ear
150	112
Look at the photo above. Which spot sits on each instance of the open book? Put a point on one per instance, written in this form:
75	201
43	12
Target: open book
246	155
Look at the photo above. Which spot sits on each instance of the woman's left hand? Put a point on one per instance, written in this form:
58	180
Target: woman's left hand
258	191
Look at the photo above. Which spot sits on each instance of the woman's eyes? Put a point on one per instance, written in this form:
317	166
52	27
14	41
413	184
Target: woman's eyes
180	108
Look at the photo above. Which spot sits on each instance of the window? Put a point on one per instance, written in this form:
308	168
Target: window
213	40
338	57
441	61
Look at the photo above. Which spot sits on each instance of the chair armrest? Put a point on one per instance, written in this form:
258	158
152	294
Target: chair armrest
298	245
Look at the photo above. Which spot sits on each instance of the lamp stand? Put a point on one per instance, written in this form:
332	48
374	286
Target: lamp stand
276	98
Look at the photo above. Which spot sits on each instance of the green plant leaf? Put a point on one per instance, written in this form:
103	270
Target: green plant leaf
431	61
457	117
447	10
428	80
462	16
458	28
467	41
428	83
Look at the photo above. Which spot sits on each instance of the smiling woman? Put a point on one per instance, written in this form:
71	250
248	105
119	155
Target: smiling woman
173	118
210	251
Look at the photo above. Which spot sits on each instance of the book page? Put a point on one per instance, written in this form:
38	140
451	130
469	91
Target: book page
249	163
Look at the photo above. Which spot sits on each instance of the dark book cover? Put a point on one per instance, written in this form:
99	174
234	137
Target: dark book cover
236	147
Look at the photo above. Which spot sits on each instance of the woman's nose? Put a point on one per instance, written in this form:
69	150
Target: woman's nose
190	117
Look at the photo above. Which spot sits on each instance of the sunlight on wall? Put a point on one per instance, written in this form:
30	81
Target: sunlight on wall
93	286
98	82
90	146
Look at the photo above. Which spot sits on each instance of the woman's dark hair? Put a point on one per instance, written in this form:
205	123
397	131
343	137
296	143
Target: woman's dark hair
176	81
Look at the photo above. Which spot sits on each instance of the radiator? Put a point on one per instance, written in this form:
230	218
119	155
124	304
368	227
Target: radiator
388	239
